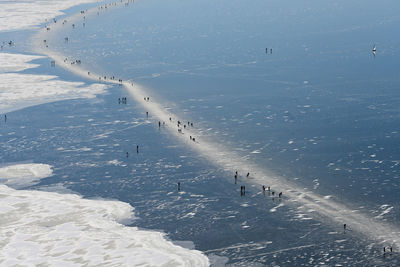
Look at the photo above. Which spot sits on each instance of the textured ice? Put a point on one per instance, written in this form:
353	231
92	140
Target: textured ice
45	228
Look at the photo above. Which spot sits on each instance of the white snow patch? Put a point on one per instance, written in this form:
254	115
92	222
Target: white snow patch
45	228
21	175
27	14
22	90
16	62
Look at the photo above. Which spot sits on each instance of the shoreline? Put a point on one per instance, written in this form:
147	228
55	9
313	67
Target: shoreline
323	208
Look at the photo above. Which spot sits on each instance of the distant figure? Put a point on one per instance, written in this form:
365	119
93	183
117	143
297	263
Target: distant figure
179	186
235	179
236	172
273	193
191	124
280	195
137	149
270	51
119	100
194	139
391	250
148	98
147	114
127	154
190	137
5	117
263	188
159	124
242	190
344	228
248	174
384	251
170	119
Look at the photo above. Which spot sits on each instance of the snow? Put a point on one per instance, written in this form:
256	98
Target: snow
46	228
22	90
20	175
28	14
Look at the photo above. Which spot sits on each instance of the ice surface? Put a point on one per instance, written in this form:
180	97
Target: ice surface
20	175
45	228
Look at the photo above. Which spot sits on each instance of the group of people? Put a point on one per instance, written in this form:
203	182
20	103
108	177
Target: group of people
122	100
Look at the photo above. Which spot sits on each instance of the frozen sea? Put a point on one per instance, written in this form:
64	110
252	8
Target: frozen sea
318	115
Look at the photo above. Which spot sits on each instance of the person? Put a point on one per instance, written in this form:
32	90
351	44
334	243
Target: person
179	186
159	124
263	188
280	195
119	100
137	149
5	117
391	250
248	174
147	113
127	154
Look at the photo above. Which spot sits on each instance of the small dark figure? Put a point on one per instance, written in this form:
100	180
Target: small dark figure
280	195
344	227
384	251
190	137
147	114
159	124
391	250
137	149
127	154
191	124
266	50
270	50
179	186
170	119
194	139
235	179
273	193
248	174
119	100
236	172
148	98
5	117
269	188
184	126
263	188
